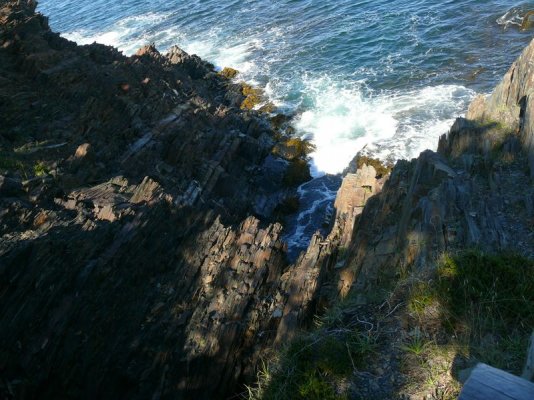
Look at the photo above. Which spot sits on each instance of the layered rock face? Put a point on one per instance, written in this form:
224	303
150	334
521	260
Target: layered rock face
133	263
310	282
475	191
512	103
130	263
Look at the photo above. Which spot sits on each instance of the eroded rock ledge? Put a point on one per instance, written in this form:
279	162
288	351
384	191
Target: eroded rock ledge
131	262
475	191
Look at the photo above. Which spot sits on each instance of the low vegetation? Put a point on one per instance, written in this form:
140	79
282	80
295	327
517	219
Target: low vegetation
12	162
474	307
40	169
317	365
382	169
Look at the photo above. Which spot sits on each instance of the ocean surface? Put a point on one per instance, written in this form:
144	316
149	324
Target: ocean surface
387	76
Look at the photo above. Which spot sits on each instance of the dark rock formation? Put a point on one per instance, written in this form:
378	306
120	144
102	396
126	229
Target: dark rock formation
511	104
130	263
474	192
132	260
309	281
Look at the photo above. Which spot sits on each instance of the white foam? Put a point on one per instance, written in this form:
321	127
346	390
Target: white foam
511	17
341	115
322	196
128	34
339	123
423	116
343	120
236	55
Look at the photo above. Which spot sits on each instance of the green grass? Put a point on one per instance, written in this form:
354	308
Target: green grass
315	364
499	286
422	296
40	169
416	346
10	162
476	307
486	301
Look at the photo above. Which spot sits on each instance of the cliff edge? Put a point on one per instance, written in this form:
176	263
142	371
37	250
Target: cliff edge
434	268
141	252
133	262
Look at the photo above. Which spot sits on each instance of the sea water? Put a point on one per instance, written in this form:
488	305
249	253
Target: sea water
387	76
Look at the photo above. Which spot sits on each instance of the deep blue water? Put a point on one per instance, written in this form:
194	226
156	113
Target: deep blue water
387	75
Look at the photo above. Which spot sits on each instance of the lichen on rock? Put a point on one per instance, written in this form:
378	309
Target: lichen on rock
293	148
253	96
229	73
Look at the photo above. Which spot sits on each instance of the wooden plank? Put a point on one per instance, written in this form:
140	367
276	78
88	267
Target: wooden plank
528	371
481	392
487	382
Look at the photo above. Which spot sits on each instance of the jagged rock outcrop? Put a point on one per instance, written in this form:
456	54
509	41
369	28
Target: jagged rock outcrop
309	281
474	192
512	104
351	198
130	264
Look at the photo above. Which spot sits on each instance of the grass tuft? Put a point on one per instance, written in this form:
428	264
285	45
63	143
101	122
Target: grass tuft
40	169
316	365
480	302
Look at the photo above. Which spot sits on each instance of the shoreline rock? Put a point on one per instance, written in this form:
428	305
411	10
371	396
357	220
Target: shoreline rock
132	260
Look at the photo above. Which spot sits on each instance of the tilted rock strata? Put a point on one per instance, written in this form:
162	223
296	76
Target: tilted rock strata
512	103
130	266
309	280
474	192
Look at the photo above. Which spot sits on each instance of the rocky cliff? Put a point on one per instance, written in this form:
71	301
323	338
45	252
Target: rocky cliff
475	191
132	261
427	270
140	252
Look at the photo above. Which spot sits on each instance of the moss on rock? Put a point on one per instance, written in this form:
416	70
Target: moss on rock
381	168
293	148
279	120
267	108
229	73
527	21
253	96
